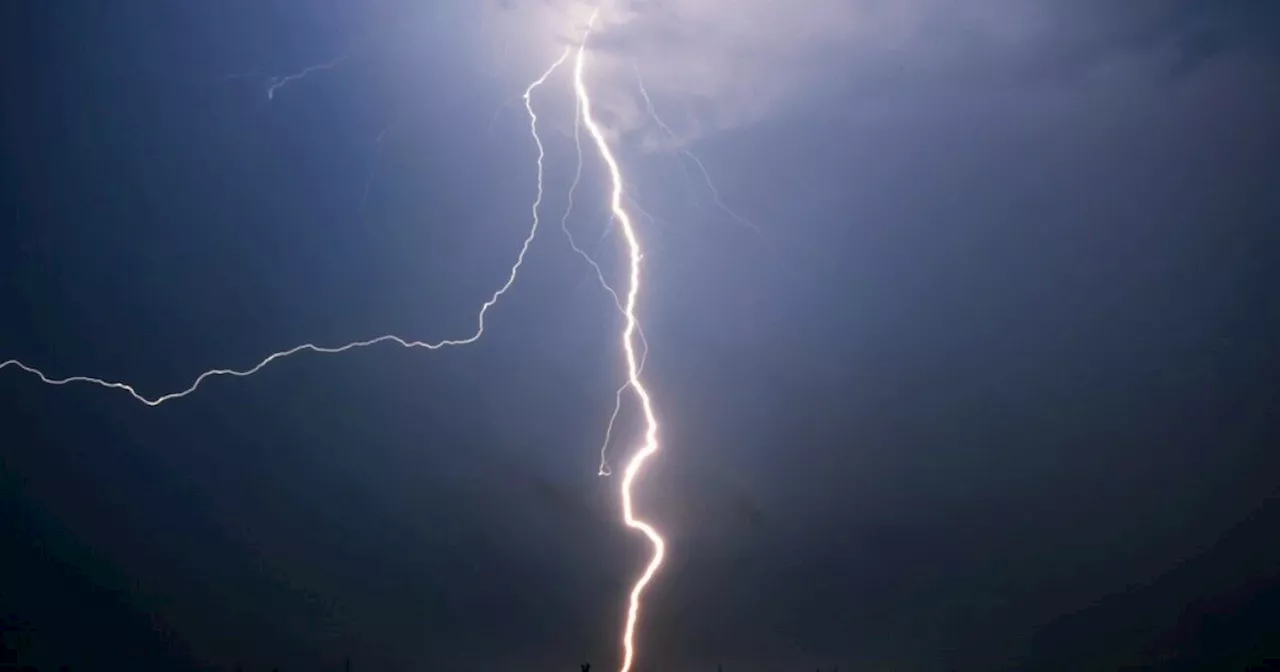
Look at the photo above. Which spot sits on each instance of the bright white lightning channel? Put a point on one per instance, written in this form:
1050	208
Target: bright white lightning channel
650	445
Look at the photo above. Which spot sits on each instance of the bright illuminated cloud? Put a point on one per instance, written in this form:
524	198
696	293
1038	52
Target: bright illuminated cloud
709	65
713	65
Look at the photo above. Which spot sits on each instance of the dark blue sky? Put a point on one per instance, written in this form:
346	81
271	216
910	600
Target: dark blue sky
995	391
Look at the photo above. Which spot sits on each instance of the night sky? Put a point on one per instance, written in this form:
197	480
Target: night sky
995	388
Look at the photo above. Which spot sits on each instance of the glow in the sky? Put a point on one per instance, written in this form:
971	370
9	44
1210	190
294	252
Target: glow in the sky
634	346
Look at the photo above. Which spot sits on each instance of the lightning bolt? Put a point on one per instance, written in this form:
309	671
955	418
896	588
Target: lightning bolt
389	338
634	346
649	447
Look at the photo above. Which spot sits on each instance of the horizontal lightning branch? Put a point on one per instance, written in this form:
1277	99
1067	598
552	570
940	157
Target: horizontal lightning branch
320	349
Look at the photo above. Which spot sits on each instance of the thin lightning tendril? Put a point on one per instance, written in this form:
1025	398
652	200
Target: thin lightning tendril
275	83
662	125
688	154
650	445
373	167
389	338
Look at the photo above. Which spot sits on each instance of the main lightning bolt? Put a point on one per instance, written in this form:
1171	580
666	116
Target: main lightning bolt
650	445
